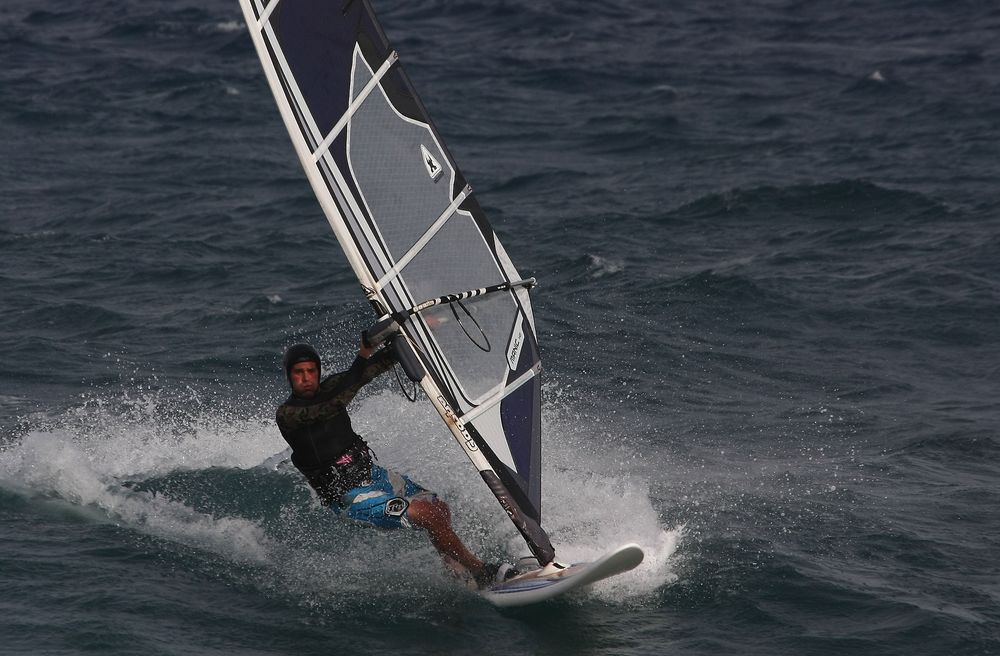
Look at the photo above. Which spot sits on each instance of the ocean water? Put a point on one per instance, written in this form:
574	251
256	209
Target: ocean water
767	238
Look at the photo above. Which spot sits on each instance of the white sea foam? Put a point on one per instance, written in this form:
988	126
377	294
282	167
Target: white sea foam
588	507
603	266
229	26
87	454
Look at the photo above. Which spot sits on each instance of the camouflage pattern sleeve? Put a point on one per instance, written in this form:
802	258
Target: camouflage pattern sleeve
292	417
376	365
364	371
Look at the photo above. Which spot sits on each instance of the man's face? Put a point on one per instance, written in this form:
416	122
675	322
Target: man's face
304	378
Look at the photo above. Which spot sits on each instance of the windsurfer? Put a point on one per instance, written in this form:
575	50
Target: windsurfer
340	467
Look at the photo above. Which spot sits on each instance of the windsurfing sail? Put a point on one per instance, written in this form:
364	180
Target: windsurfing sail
414	235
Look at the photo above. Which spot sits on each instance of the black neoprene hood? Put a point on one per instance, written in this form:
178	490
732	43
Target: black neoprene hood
299	353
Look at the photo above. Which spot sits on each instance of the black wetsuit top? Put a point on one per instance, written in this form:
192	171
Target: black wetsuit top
320	433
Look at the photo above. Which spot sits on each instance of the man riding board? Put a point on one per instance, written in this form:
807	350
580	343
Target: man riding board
341	468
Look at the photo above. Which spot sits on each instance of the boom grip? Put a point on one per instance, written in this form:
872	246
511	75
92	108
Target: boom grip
408	359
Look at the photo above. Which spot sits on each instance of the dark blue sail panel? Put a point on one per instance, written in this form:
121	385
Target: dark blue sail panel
317	39
317	43
412	230
521	419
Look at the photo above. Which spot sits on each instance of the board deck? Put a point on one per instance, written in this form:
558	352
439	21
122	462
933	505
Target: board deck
554	580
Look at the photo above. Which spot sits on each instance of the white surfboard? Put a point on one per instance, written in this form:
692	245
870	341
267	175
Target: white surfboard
554	580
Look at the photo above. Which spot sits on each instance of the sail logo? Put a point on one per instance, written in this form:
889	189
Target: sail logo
434	168
514	350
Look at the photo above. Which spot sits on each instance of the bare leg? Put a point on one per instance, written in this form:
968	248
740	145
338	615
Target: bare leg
435	518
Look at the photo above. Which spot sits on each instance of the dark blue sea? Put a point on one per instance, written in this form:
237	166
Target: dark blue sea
767	237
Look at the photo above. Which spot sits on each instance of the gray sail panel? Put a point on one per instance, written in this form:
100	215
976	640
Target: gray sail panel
469	343
388	153
386	158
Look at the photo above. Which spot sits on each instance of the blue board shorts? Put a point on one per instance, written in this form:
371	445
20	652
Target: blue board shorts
384	501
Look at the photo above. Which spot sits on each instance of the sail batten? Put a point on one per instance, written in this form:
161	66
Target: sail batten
488	404
412	230
448	213
271	6
355	105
